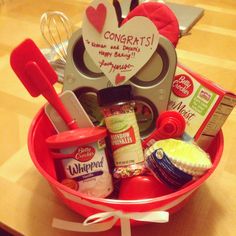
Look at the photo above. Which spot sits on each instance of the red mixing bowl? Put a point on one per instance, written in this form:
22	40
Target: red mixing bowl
41	128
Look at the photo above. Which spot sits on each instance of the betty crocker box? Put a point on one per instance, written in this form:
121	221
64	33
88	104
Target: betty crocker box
204	105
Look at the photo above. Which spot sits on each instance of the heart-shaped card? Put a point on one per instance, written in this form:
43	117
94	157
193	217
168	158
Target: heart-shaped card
119	52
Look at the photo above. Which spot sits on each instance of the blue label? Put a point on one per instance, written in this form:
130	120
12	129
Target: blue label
161	166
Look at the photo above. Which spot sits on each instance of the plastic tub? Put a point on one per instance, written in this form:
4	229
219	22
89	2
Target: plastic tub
41	128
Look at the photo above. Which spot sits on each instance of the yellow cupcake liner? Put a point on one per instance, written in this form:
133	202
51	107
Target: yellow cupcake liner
179	153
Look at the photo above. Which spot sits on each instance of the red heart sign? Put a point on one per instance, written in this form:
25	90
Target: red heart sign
119	79
97	16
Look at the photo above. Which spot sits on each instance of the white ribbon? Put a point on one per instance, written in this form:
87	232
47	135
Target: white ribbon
100	222
94	223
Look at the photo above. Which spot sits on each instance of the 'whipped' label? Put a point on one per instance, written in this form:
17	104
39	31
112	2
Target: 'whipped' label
88	171
77	168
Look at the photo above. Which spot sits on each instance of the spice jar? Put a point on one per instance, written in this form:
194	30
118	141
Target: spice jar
117	106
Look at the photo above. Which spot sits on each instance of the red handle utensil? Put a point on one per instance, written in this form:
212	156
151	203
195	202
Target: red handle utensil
38	77
170	124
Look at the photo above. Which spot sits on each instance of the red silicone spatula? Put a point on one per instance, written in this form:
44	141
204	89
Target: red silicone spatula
38	77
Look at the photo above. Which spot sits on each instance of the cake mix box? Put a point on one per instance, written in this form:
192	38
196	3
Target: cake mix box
204	105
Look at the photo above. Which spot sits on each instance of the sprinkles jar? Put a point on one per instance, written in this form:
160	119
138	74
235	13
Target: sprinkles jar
119	115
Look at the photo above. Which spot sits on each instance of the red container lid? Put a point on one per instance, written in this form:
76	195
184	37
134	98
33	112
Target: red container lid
76	137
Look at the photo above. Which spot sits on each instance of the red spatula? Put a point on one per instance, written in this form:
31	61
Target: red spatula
38	77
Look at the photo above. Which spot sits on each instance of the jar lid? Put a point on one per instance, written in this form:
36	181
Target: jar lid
76	137
111	95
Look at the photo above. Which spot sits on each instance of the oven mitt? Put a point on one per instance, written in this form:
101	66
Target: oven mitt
162	16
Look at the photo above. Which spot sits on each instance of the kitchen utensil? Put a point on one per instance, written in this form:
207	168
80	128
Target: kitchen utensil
151	85
74	107
56	29
161	15
38	77
170	124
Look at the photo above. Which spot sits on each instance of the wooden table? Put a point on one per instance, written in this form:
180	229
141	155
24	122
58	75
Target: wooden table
27	204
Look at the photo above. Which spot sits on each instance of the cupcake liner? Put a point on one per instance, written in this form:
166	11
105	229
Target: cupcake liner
193	167
162	168
175	162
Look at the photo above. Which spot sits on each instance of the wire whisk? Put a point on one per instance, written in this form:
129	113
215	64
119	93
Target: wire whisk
56	29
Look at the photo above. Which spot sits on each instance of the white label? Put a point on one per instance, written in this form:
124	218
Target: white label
89	169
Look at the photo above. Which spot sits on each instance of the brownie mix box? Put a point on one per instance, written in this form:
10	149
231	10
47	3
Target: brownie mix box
204	105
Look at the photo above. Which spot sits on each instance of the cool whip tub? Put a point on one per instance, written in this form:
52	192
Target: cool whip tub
80	160
204	105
